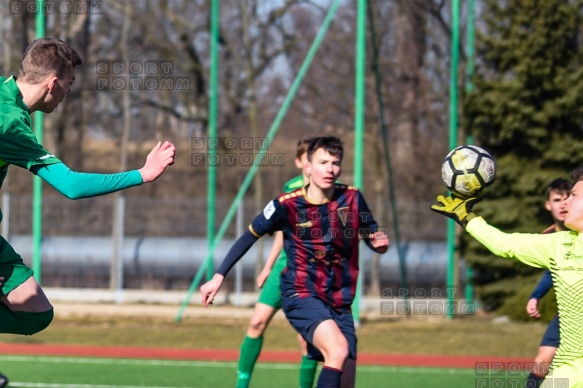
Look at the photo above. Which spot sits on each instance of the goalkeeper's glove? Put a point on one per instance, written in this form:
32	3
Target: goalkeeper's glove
458	209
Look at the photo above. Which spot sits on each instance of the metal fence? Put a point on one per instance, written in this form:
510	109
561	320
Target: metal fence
163	242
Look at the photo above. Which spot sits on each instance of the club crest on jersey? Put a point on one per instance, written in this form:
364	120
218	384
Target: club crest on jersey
343	214
269	210
319	254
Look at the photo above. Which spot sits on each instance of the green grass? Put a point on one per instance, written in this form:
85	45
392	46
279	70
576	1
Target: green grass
66	372
477	335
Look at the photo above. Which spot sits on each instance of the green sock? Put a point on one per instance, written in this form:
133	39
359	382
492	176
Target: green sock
250	349
307	372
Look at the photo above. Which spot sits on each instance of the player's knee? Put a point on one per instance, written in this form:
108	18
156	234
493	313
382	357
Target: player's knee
32	323
257	325
337	353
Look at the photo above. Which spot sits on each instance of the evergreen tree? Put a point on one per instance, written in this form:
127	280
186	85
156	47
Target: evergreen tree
527	110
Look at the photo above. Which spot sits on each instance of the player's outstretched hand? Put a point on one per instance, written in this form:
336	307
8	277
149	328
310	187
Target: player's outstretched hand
456	208
210	289
532	308
161	156
380	241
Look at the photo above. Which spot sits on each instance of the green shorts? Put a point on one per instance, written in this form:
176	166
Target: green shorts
271	291
12	268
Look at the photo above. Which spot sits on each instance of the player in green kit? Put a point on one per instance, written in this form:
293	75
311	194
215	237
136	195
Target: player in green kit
561	252
269	301
44	79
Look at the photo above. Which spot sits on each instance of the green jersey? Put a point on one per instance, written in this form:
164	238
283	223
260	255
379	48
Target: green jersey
18	144
562	254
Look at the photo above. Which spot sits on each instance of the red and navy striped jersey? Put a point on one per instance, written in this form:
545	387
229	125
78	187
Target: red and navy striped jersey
321	242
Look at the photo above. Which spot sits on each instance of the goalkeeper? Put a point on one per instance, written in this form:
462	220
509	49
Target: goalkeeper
560	252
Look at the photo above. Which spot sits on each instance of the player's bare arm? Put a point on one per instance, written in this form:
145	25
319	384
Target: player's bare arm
161	156
273	255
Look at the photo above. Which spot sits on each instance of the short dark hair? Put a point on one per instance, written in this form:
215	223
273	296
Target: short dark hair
331	144
303	145
45	57
577	174
559	185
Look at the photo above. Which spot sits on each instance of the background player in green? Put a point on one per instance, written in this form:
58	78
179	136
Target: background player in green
44	80
270	298
560	252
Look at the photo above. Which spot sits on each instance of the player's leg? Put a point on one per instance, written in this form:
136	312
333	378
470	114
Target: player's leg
330	341
348	379
3	381
541	366
24	308
253	342
308	366
267	305
546	353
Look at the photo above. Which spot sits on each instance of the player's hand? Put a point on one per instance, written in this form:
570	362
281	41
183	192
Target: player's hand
210	289
161	156
263	277
458	209
379	241
532	308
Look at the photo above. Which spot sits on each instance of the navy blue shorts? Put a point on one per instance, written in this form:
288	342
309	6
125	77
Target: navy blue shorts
552	337
305	314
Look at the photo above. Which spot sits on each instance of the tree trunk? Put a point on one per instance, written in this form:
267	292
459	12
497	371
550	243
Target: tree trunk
410	24
116	277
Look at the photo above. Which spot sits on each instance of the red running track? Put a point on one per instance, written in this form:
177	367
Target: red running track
266	355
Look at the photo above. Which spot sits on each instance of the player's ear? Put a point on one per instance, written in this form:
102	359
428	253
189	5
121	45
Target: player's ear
52	82
299	163
548	205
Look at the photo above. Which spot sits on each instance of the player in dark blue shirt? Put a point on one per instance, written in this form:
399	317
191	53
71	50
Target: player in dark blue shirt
322	225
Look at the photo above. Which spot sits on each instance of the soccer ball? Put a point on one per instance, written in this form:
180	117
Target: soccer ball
467	170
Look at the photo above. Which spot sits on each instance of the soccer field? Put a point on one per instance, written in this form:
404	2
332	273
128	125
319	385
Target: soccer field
89	372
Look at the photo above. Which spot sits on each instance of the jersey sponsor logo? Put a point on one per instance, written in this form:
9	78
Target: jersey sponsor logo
308	224
269	210
46	157
571	256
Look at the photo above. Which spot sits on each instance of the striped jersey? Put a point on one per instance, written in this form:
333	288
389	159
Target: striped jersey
321	242
560	252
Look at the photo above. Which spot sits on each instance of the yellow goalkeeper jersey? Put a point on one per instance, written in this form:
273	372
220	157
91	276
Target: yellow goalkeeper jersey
562	254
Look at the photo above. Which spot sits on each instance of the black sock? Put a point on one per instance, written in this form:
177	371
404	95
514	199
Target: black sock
533	381
329	378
